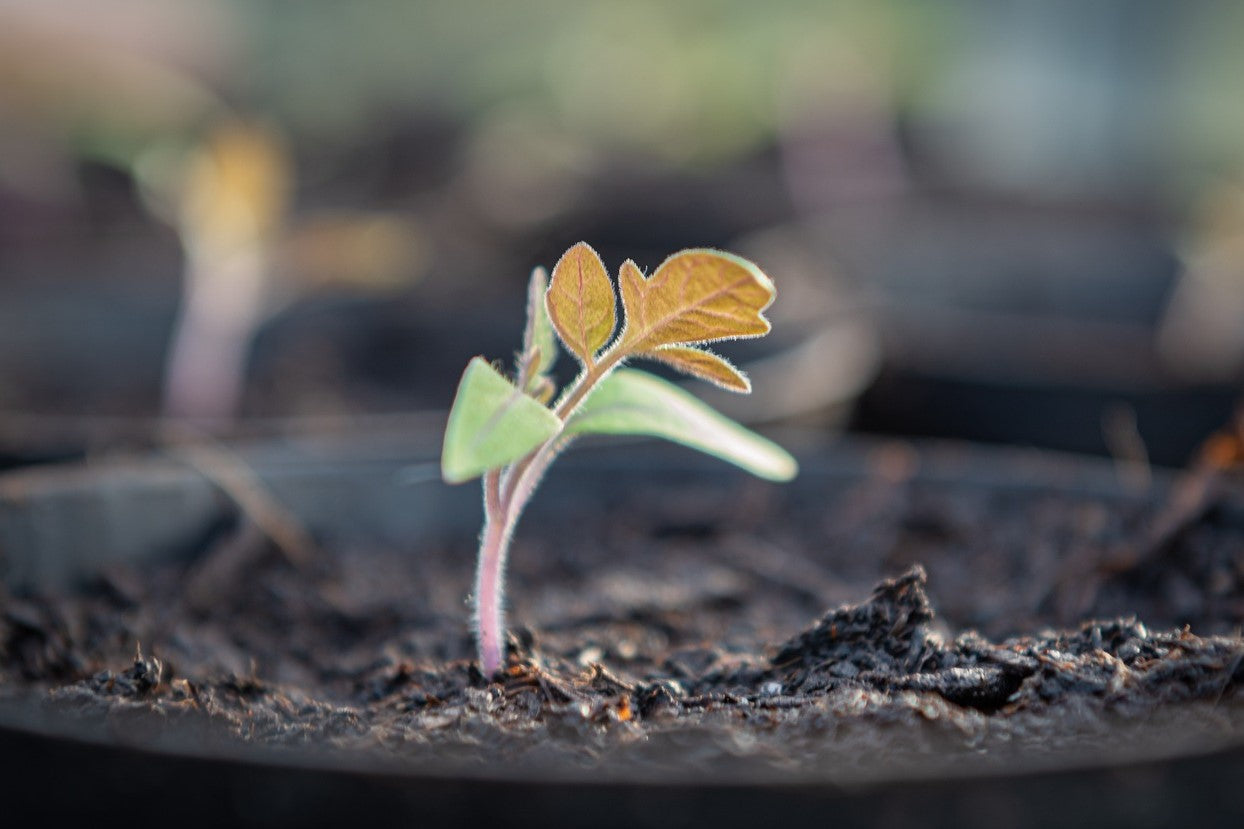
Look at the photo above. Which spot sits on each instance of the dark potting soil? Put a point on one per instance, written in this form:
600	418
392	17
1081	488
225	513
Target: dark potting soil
680	631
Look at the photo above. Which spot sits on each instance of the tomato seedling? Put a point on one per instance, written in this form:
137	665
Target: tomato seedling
510	429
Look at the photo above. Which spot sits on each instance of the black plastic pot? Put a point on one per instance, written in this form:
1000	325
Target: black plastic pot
60	525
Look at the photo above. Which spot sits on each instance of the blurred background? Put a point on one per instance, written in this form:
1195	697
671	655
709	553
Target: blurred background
1017	221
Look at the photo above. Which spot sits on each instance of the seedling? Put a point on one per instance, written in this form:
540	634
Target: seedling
510	429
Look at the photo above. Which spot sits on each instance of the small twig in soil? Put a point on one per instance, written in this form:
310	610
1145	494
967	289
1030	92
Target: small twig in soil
237	480
1191	497
783	569
223	563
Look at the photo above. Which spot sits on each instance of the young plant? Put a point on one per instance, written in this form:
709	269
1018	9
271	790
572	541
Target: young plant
510	429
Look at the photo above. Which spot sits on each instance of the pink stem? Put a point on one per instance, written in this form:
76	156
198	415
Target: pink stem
489	617
489	576
502	506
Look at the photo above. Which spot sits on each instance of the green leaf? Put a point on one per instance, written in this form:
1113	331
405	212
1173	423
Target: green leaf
538	337
632	402
491	424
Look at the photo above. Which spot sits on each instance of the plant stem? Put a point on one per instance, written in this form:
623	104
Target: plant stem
586	381
489	615
505	495
494	544
520	476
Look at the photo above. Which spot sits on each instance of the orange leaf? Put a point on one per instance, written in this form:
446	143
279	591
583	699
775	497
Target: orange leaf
581	301
695	296
703	364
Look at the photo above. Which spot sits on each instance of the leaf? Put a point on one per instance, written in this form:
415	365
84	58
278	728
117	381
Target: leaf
695	296
491	424
581	302
703	364
539	342
632	402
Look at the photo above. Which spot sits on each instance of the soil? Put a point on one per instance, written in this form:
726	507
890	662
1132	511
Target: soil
689	627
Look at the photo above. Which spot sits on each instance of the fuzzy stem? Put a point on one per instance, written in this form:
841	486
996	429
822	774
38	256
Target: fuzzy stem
489	577
521	477
489	615
506	492
587	381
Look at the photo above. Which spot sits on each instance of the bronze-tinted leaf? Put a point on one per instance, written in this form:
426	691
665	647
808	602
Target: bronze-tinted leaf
580	302
703	364
695	296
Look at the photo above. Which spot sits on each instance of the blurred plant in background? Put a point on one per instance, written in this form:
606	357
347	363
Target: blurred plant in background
228	198
223	184
960	196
